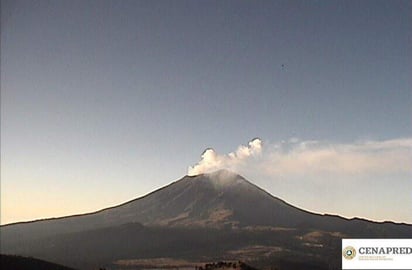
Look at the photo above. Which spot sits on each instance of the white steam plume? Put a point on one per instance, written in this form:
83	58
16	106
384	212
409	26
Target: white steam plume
296	158
211	161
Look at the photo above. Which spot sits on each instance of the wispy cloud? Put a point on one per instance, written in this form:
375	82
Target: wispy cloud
368	157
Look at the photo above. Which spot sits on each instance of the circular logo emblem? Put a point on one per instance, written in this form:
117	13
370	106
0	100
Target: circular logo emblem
349	253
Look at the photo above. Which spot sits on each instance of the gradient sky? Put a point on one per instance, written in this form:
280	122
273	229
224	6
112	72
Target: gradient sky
104	101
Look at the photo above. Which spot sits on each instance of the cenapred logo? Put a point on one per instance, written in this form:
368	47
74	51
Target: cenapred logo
377	253
349	252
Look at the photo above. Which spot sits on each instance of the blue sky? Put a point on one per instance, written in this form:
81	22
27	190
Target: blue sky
104	101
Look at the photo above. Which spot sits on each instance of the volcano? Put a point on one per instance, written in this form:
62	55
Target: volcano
185	219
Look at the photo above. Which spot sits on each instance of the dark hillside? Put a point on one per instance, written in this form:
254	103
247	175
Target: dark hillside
10	262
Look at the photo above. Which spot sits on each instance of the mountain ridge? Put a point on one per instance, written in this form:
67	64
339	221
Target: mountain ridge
192	177
213	216
221	199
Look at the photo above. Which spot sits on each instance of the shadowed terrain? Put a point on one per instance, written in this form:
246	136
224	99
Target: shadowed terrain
9	262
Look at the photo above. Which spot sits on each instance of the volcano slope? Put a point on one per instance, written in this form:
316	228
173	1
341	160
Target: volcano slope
205	217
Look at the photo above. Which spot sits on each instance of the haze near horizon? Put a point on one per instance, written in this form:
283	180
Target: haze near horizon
105	101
